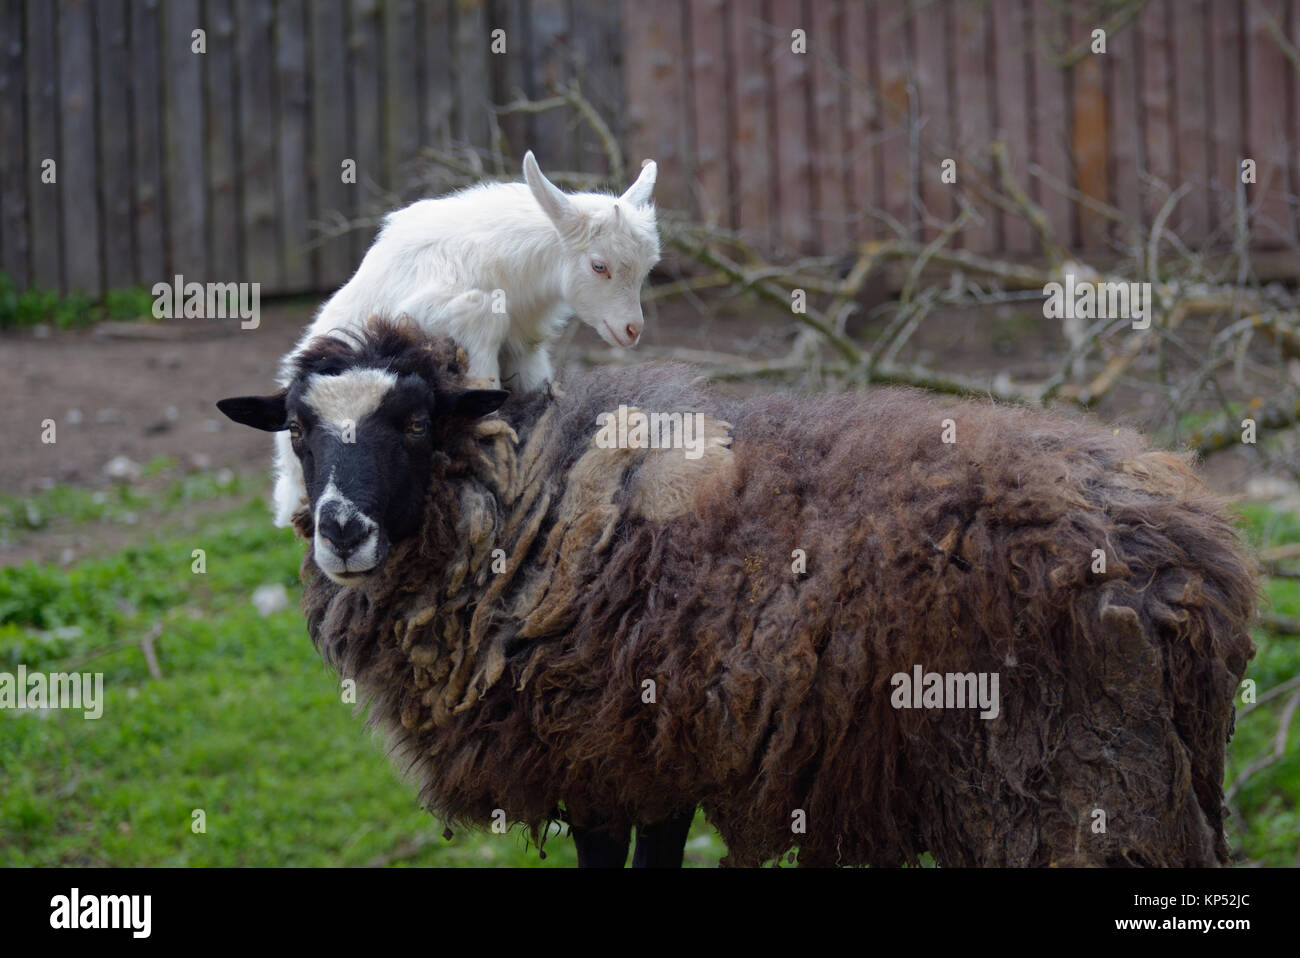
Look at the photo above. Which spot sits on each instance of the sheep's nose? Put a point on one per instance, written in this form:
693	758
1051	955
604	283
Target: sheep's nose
633	332
343	538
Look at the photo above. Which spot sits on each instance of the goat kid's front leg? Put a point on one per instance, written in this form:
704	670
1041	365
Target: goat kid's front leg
470	319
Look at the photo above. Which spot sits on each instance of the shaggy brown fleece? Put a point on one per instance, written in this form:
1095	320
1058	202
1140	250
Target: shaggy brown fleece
523	690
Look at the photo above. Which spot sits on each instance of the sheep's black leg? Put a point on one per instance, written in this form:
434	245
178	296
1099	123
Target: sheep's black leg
601	847
662	844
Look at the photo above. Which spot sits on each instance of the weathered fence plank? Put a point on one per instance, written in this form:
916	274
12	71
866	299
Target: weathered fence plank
1127	152
114	128
1228	132
1051	121
152	231
439	85
1089	145
897	95
222	140
254	61
861	114
712	196
973	99
78	147
1191	97
330	144
1012	45
794	168
183	123
1268	136
367	116
15	245
294	101
402	69
829	96
652	54
935	136
750	133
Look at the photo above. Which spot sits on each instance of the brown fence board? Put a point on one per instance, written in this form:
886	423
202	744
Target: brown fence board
1089	133
254	63
330	144
1127	154
897	88
1228	131
548	66
1268	135
472	56
14	240
293	100
1012	103
439	86
222	140
402	80
112	61
183	142
712	197
973	97
78	144
152	232
861	132
652	55
790	96
1050	123
936	144
833	211
598	66
367	117
749	131
1191	100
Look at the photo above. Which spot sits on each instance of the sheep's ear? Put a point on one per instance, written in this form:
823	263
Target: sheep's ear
475	403
553	202
260	412
639	193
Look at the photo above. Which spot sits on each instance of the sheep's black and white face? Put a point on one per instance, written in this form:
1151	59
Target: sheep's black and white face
365	439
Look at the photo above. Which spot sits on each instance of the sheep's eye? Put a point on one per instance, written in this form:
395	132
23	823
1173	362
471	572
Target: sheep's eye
600	266
417	427
295	430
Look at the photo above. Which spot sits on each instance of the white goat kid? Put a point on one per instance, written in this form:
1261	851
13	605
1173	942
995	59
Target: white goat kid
500	268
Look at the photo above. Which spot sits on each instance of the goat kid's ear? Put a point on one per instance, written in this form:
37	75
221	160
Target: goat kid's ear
474	403
639	193
557	207
260	412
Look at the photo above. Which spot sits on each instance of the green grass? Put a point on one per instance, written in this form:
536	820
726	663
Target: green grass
248	725
33	306
161	492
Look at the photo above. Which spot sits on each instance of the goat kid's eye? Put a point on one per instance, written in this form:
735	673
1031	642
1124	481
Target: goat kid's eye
600	266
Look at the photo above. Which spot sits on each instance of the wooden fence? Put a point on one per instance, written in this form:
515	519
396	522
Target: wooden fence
798	150
219	165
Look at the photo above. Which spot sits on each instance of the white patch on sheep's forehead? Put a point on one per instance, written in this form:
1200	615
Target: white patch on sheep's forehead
349	396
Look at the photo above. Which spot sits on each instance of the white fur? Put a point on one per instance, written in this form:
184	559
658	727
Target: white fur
339	400
499	267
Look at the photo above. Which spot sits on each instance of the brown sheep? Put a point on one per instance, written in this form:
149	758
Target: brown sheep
613	636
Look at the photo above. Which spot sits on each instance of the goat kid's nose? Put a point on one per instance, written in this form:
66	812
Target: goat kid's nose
633	332
343	538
